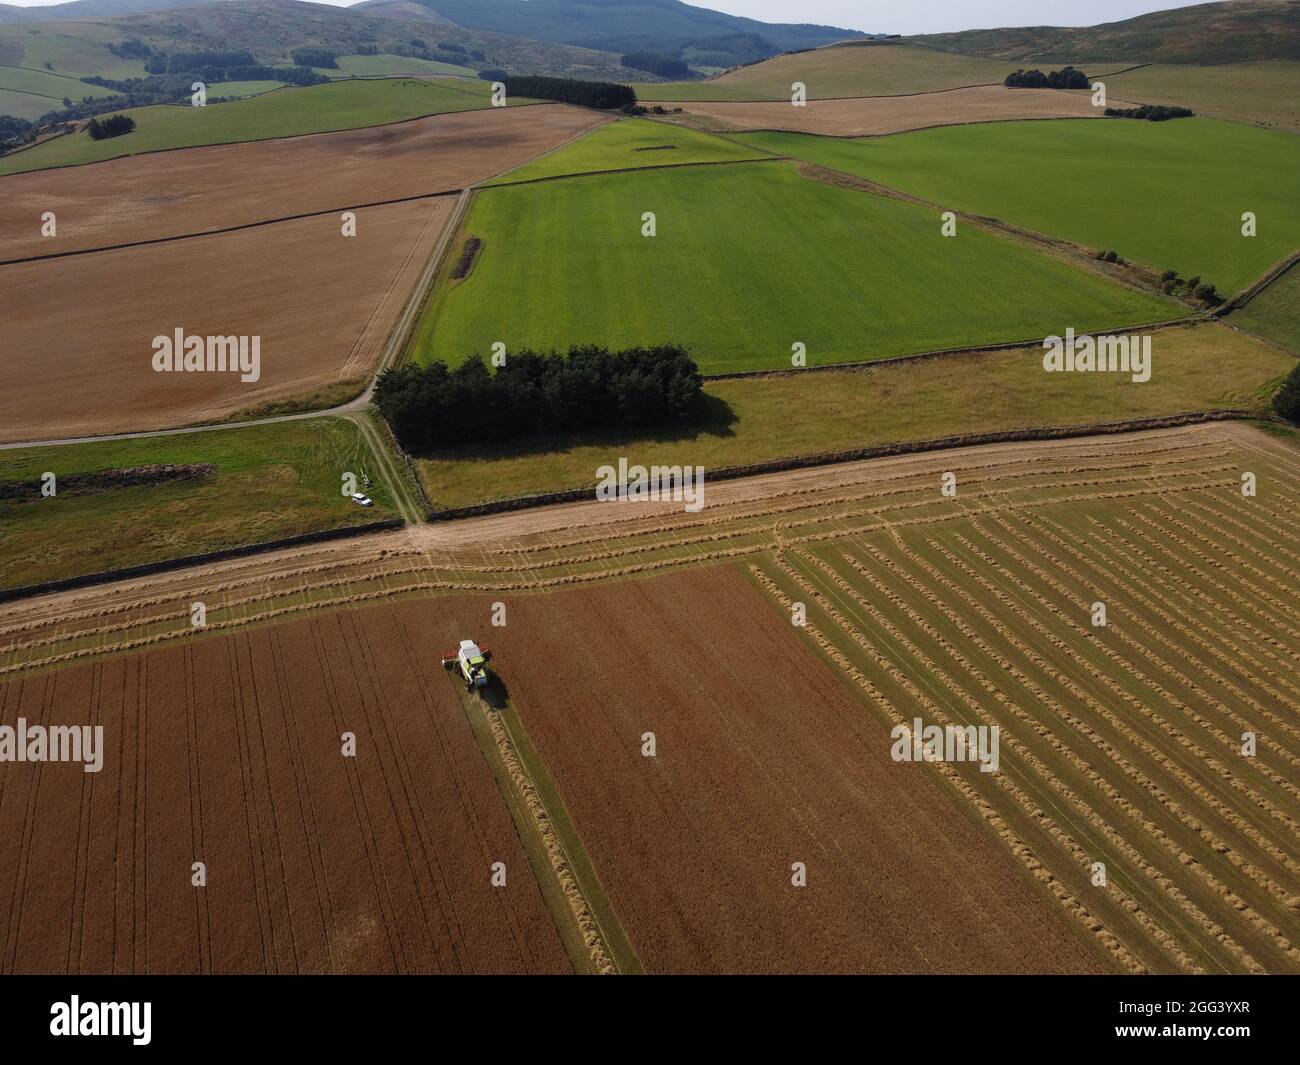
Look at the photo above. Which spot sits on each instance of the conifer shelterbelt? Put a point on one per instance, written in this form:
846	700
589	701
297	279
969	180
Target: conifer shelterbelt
587	389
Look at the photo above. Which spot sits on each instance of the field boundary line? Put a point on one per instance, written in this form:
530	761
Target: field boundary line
228	229
627	170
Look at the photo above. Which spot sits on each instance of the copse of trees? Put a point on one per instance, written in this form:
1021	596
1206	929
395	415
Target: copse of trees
1287	400
131	49
1065	78
1150	112
314	57
589	389
183	62
603	95
663	65
112	126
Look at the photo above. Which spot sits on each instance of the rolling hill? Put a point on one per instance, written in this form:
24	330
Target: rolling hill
82	9
698	35
1227	32
271	29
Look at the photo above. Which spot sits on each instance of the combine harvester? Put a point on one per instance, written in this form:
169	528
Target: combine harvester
471	661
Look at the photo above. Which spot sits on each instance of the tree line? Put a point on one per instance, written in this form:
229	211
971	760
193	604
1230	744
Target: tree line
663	65
1151	112
602	95
1065	78
587	389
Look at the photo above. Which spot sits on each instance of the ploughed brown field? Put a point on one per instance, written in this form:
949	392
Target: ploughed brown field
226	751
79	330
764	758
195	190
878	115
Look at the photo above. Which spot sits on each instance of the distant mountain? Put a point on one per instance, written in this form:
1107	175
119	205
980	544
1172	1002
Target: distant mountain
83	9
271	29
1207	33
668	27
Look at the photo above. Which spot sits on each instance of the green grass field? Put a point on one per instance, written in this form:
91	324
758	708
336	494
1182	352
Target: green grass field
243	88
759	419
369	66
1275	313
271	481
27	93
290	112
748	260
1265	93
1168	194
629	143
44	83
80	50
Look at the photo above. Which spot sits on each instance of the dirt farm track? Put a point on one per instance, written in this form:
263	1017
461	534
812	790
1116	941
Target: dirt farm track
1121	746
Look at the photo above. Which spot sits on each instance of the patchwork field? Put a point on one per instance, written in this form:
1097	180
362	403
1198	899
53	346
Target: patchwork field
844	272
695	845
322	304
1265	93
1118	184
76	54
628	144
893	114
119	201
228	752
1119	744
274	481
763	419
291	112
267	482
842	71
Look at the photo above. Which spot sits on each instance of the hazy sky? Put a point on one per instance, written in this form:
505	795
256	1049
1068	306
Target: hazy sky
913	16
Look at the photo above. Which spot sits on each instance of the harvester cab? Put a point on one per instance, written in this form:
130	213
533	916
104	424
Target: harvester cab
470	660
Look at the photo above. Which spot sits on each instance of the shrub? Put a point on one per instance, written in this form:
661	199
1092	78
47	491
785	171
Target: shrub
1287	400
588	389
1205	292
